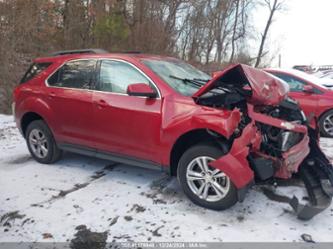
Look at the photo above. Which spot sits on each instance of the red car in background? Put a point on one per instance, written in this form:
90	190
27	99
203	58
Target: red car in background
218	136
314	98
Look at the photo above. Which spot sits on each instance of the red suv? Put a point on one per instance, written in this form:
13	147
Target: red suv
218	135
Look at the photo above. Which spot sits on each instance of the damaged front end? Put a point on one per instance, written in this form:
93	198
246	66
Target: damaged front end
317	173
273	139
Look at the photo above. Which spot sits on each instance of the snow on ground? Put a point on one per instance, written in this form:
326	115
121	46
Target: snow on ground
52	202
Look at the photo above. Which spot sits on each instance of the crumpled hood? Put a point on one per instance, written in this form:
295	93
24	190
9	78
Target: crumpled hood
266	89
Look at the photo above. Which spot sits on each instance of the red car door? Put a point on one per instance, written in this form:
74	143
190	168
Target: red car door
125	125
307	101
70	99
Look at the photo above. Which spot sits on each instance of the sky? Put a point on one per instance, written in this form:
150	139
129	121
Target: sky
303	33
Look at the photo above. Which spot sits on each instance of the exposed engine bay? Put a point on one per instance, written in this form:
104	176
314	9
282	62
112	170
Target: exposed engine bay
287	145
275	140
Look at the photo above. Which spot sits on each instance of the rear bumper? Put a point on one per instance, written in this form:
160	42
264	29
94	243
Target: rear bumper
15	119
13	109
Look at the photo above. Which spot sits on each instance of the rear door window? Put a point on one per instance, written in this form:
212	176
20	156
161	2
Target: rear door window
74	74
34	70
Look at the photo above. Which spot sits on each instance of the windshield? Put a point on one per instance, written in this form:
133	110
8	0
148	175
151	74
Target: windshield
310	78
178	74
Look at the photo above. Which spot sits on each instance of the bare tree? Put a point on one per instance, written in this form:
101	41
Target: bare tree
204	32
273	6
223	27
240	28
233	39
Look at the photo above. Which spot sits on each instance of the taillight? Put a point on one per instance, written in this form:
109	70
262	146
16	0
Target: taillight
15	93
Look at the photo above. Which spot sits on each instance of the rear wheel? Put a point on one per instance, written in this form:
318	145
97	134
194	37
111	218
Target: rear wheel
326	124
204	185
41	143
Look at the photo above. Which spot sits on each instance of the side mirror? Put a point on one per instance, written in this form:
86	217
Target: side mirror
308	89
141	90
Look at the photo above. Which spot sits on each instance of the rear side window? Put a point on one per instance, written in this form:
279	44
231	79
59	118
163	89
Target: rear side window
34	70
294	84
74	74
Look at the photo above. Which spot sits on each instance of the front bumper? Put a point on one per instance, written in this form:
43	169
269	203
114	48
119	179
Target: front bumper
293	158
290	161
305	158
236	163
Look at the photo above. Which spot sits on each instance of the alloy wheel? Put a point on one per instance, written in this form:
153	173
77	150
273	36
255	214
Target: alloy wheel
207	183
328	125
38	143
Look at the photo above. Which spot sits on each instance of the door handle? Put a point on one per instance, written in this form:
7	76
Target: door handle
101	103
52	95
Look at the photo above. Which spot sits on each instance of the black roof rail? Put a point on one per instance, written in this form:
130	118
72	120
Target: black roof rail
80	51
131	52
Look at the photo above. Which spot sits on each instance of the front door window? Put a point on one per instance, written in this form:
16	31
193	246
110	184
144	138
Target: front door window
116	76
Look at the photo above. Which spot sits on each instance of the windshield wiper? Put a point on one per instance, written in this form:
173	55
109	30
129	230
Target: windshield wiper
196	82
202	80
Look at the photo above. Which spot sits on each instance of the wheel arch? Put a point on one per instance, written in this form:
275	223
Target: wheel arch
191	138
27	118
324	112
321	125
34	108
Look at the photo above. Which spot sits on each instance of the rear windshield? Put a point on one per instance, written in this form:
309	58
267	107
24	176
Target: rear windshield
34	70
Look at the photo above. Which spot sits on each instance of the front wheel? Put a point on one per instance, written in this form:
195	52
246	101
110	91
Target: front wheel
326	124
204	185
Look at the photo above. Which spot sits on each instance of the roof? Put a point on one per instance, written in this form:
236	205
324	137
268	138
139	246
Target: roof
81	55
81	51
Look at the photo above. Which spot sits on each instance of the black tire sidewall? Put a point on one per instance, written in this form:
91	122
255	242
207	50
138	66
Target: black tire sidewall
211	151
52	149
321	124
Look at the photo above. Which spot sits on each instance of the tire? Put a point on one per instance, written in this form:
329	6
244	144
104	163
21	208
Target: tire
326	124
41	143
191	188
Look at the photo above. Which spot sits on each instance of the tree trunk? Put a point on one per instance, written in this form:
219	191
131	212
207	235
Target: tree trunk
233	40
264	36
